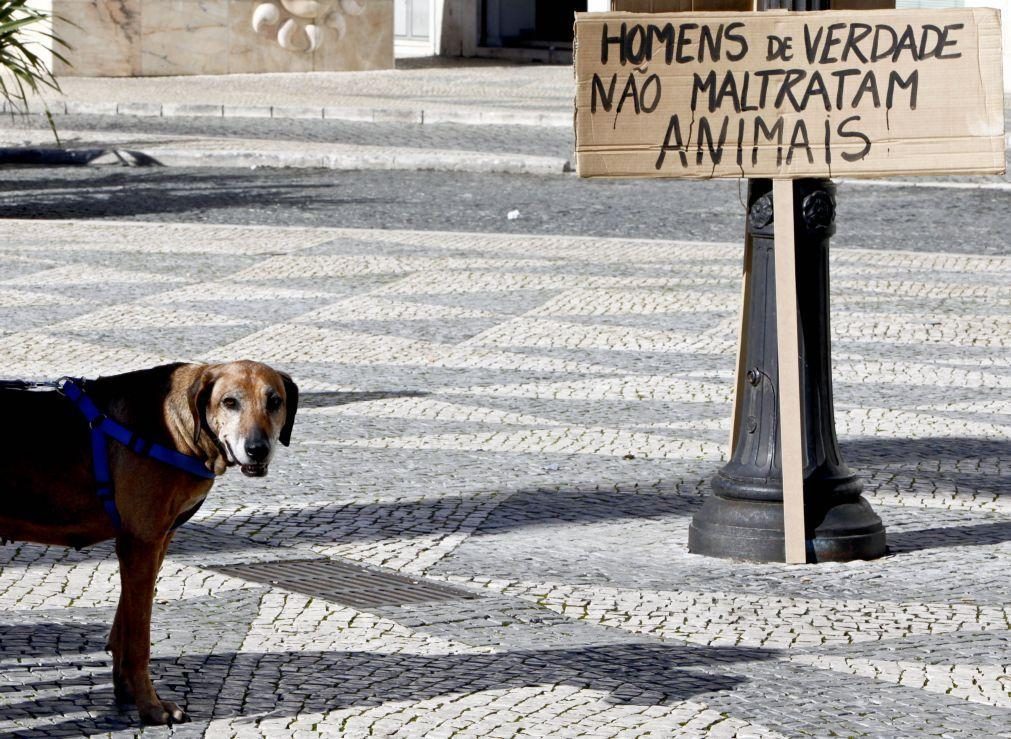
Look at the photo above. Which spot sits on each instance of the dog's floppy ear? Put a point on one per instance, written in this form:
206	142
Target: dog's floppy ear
198	395
290	407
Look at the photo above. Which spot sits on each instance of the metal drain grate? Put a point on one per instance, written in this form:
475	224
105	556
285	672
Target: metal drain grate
343	582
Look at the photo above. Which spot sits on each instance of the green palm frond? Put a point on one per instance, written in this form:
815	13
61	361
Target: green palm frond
23	72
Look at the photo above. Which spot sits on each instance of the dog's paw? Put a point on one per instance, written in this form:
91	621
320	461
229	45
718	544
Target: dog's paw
163	713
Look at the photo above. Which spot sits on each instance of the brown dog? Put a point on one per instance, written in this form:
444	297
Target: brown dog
221	414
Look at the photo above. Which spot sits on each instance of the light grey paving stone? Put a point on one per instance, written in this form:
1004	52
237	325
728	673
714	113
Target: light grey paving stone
536	420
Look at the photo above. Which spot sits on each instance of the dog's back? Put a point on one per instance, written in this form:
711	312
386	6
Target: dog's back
47	493
47	485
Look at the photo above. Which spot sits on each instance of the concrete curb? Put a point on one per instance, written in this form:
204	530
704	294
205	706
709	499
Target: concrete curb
381	160
395	160
417	116
390	160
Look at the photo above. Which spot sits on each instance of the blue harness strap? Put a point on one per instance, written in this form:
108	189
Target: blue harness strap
104	428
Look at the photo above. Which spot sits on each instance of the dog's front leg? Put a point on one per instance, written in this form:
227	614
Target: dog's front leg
122	690
123	694
139	562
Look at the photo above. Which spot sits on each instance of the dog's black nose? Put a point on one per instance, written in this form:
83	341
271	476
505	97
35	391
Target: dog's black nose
257	448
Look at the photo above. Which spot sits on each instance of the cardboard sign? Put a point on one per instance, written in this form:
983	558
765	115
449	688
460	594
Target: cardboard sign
783	95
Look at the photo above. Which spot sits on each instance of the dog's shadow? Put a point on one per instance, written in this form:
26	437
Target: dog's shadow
253	685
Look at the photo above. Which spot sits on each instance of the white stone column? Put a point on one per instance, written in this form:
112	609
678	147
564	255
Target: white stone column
598	6
435	24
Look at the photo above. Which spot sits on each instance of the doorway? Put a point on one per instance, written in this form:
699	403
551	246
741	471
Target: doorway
529	23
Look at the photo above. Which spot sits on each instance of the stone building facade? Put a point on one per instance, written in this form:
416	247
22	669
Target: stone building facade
128	38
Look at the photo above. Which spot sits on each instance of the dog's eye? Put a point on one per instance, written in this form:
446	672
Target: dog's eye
274	403
230	403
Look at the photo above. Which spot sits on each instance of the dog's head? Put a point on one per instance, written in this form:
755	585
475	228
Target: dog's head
245	408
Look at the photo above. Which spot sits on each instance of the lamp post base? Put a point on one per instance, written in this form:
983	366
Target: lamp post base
748	525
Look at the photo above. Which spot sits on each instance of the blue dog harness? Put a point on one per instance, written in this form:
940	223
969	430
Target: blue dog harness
104	428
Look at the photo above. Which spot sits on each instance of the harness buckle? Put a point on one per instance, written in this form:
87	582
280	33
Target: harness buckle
97	421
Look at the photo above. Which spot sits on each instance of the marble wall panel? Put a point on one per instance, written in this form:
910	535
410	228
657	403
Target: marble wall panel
258	52
177	37
184	37
105	36
367	45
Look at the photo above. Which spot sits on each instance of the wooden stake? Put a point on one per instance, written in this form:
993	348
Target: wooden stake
790	403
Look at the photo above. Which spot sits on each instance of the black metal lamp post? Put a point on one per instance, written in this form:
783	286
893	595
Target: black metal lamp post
744	517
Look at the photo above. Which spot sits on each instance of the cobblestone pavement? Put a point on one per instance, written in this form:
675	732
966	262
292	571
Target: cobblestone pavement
426	89
531	420
870	216
207	138
531	140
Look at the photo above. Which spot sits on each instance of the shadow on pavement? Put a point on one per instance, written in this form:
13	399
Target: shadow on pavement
330	399
870	450
356	522
48	640
287	683
101	193
932	460
364	521
368	521
984	534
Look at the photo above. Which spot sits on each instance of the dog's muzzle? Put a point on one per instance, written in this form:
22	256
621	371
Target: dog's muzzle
254	470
